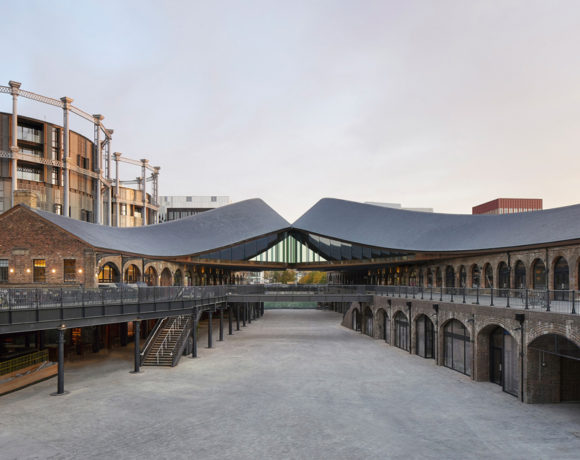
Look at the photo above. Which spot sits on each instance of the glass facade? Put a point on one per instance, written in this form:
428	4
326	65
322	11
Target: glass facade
401	331
457	347
3	270
39	270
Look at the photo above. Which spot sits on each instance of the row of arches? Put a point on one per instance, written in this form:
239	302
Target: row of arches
486	276
498	352
110	273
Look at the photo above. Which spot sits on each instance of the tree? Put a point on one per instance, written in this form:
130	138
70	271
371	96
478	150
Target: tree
285	277
314	278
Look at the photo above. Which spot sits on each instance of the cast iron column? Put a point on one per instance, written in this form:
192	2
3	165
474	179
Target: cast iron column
230	325
209	330
15	89
60	383
137	330
194	333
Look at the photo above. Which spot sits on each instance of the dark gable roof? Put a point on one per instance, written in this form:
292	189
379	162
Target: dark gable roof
383	227
204	232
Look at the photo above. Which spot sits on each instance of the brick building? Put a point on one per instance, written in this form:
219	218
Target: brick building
508	206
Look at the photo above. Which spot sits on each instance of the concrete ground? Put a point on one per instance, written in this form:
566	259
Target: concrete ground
294	384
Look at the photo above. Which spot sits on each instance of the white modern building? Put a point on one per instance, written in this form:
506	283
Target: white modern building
178	207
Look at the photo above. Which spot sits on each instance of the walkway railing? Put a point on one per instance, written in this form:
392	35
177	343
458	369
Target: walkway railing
22	362
559	301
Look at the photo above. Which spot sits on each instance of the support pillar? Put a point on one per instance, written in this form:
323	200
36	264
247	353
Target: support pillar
15	89
67	101
117	156
209	330
194	333
137	333
221	339
230	325
60	383
97	167
109	183
144	191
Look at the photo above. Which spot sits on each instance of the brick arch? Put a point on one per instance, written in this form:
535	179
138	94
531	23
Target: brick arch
379	318
395	312
492	323
539	330
156	274
165	276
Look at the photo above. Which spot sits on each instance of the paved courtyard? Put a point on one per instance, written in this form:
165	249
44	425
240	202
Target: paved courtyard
294	384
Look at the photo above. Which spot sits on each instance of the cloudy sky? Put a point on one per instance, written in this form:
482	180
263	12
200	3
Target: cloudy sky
442	104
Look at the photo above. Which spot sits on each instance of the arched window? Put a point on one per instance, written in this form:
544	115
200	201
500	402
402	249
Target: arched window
401	331
488	276
178	278
109	273
150	276
520	275
438	277
425	337
188	278
475	276
457	347
462	277
429	277
356	323
166	278
539	274
421	278
132	274
449	276
503	276
561	279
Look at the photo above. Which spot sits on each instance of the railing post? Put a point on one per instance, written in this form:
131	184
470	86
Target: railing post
431	292
83	299
452	292
508	299
527	304
573	302
464	289
548	299
422	289
477	295
441	294
491	290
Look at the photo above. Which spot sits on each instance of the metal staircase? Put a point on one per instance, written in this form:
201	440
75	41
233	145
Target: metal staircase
167	341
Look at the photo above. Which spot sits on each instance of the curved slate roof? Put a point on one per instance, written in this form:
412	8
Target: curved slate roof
204	232
382	227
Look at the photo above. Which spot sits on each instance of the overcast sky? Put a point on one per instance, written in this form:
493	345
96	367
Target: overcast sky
443	104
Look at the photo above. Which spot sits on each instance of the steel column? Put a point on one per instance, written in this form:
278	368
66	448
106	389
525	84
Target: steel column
209	330
137	331
15	88
97	167
230	325
60	382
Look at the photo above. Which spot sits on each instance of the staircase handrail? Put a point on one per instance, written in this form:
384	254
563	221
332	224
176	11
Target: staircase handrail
181	342
170	333
151	338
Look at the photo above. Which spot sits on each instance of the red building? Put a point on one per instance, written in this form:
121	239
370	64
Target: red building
508	206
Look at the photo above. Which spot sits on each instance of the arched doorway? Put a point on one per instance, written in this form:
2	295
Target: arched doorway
356	323
462	276
368	321
381	323
561	279
109	273
553	370
150	276
488	276
520	275
539	274
166	278
401	331
457	347
438	277
503	360
449	276
425	337
503	279
475	276
188	278
429	277
132	274
178	278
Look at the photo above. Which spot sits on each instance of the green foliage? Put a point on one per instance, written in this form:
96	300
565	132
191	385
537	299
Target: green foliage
285	277
313	278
